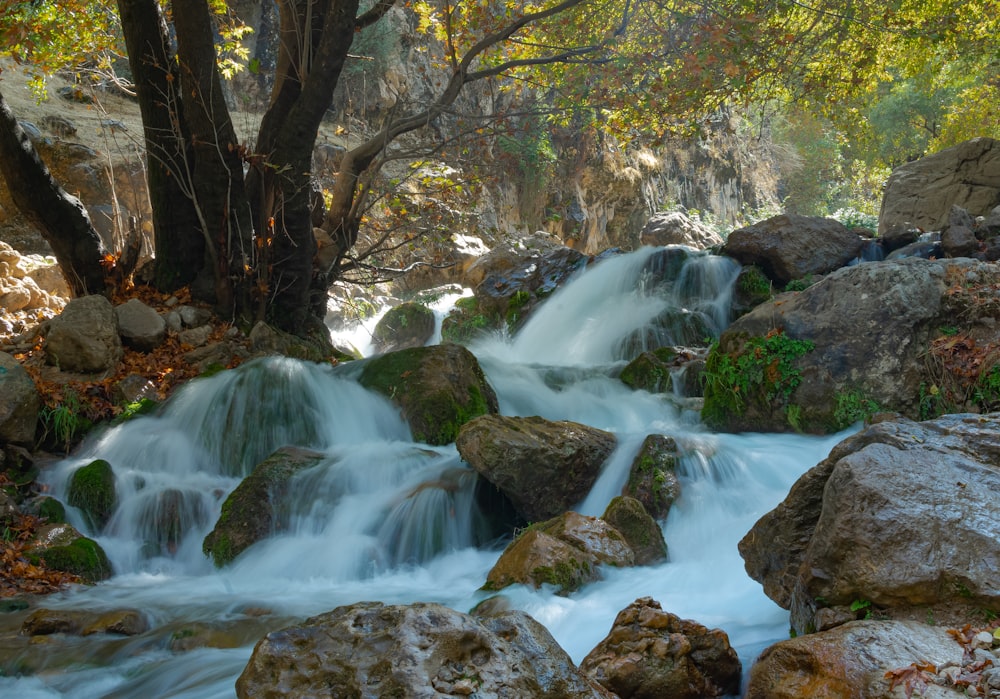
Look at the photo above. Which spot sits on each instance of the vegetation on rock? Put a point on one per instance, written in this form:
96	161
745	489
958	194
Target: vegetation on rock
92	490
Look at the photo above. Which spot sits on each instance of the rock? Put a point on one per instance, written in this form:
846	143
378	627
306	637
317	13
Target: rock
654	371
958	239
266	340
123	622
752	288
61	547
252	512
790	246
543	467
195	337
92	491
84	337
853	660
19	403
867	330
370	650
438	389
58	125
565	551
139	326
676	228
405	326
641	531
899	235
652	478
922	192
902	516
649	654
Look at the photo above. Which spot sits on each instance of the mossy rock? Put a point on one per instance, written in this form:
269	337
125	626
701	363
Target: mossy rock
652	478
640	530
407	325
537	558
51	510
252	512
651	371
753	287
438	389
467	321
92	491
69	552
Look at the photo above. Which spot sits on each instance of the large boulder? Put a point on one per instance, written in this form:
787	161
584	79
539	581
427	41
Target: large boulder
649	654
565	551
438	389
19	402
543	467
870	659
84	337
252	512
789	246
61	547
652	478
92	490
921	193
139	326
860	337
640	530
676	228
902	517
405	326
370	650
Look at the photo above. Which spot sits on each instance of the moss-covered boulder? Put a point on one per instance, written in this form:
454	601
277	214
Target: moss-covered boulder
543	467
667	370
640	530
61	547
253	511
566	551
92	491
407	325
51	510
438	389
652	478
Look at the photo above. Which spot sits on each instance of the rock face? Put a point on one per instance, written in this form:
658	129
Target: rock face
19	403
676	228
869	328
789	246
902	516
543	467
84	337
852	661
565	551
438	389
370	650
139	326
650	654
405	326
253	510
922	193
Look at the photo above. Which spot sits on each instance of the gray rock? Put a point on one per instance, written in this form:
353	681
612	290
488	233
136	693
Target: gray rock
407	325
84	337
139	326
543	467
195	337
370	650
922	192
903	515
19	403
676	228
789	246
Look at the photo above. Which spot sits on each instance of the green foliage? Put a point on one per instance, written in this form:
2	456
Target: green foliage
66	422
987	391
754	282
862	607
800	284
930	402
761	371
852	218
143	406
853	406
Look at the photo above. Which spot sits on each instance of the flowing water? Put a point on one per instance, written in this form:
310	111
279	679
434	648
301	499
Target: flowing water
383	518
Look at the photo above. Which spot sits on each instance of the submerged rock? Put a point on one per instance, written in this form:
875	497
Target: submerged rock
651	654
371	650
652	477
252	512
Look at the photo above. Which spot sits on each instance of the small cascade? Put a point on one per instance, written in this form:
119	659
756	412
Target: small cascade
380	517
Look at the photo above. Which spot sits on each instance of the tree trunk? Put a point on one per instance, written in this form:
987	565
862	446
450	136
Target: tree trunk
180	249
60	217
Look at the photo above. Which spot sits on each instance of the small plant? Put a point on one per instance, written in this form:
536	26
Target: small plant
65	421
930	401
987	390
800	284
862	607
853	406
948	330
794	415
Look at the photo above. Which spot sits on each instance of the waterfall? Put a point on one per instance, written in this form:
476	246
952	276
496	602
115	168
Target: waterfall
381	517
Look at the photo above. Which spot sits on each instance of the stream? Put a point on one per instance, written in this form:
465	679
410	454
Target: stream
364	526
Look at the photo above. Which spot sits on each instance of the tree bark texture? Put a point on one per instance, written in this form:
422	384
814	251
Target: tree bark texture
59	216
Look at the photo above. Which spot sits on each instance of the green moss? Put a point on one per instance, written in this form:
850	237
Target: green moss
52	511
83	557
92	490
567	575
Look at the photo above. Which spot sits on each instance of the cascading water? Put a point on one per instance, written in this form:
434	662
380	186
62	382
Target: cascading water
381	517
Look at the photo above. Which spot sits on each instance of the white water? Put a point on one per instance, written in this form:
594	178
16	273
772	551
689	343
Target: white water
382	518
